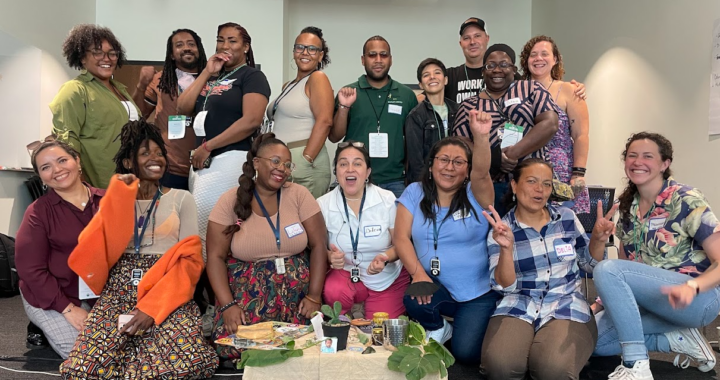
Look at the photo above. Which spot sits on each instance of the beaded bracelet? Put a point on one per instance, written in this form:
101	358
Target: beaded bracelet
227	306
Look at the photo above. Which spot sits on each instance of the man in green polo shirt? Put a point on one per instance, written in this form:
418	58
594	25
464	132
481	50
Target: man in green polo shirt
373	111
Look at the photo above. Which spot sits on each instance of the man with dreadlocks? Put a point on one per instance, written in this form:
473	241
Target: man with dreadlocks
184	59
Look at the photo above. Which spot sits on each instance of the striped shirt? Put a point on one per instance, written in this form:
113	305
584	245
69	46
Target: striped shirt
520	105
547	284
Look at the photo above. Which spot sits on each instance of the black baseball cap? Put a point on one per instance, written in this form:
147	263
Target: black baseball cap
473	21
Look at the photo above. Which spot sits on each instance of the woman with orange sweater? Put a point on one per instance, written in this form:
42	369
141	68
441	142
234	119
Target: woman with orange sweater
145	324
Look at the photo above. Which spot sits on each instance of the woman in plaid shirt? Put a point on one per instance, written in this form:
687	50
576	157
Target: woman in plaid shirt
543	325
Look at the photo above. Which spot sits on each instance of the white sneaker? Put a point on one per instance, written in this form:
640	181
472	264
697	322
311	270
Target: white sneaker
639	371
691	343
442	334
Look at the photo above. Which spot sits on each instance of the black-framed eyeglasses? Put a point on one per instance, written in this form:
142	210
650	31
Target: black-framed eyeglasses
503	65
99	54
356	144
277	164
311	49
445	161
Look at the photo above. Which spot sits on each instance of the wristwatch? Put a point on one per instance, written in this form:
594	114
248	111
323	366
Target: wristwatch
693	284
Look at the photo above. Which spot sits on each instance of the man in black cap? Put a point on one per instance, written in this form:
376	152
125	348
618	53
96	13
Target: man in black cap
465	80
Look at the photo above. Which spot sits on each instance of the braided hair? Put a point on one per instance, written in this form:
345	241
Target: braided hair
243	209
168	80
86	36
319	34
249	56
135	135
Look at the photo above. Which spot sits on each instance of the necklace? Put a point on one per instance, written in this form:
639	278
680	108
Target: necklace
353	199
83	204
141	220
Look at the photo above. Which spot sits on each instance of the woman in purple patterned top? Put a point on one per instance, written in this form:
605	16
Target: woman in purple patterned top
568	150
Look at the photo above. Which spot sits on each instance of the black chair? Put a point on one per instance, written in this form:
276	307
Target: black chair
607	196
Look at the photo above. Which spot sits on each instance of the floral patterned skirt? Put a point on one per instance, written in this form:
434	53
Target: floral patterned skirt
264	294
175	349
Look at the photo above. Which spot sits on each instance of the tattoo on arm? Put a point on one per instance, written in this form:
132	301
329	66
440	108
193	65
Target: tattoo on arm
572	121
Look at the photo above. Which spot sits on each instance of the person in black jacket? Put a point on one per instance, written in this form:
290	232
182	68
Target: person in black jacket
429	121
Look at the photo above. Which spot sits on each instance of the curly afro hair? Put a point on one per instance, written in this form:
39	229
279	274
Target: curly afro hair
87	36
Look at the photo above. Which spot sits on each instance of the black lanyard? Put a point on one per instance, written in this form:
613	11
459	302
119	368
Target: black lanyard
275	227
285	92
354	240
372	105
138	239
436	232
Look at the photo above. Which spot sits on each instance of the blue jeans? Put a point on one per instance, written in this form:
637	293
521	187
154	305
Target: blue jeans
396	187
637	313
470	320
500	189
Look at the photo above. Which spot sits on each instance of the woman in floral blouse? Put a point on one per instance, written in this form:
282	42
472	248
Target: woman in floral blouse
667	286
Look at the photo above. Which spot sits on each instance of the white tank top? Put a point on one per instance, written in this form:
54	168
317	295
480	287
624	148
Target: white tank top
293	118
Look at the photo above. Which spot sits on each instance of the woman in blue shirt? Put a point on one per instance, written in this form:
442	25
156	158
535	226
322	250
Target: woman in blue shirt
441	214
543	325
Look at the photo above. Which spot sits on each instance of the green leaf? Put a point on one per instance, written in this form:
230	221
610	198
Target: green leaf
327	311
338	309
443	372
442	352
290	345
262	358
417	366
404	318
394	361
416	334
362	338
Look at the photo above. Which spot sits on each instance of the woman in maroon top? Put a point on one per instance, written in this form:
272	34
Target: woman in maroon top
47	235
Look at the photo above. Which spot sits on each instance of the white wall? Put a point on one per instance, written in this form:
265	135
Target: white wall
416	29
143	26
646	65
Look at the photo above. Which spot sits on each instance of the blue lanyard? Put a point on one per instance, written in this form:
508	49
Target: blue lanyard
275	227
354	240
436	233
138	239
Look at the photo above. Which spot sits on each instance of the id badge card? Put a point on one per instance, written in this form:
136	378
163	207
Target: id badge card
132	111
435	266
176	126
136	276
656	223
84	291
199	123
512	135
378	145
355	275
280	265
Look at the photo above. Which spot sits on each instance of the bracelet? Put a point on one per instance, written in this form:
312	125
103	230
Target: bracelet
579	169
69	309
344	106
227	306
307	297
204	145
310	160
578	174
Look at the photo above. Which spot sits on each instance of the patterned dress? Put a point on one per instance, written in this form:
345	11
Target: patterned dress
560	154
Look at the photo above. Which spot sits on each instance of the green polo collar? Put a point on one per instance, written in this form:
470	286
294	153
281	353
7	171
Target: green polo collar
363	83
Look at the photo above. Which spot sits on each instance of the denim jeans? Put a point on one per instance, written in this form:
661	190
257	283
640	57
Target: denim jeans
637	313
396	187
470	320
500	189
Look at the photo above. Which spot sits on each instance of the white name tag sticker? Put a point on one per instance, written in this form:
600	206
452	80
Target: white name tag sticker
656	223
461	214
84	291
512	135
513	101
378	145
132	111
176	126
395	108
564	250
294	230
372	231
199	123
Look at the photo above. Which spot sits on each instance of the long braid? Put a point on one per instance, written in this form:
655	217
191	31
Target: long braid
168	80
134	135
243	208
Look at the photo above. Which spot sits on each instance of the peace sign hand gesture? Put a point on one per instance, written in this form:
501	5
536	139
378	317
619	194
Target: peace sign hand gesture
604	227
480	123
501	231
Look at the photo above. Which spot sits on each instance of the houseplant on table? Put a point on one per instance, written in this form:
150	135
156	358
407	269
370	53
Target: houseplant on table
332	326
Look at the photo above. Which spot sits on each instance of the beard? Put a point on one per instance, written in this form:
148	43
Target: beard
192	65
377	77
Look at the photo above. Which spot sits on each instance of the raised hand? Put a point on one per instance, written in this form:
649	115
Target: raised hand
579	89
604	227
127	178
146	75
502	233
215	63
378	264
480	123
336	257
347	96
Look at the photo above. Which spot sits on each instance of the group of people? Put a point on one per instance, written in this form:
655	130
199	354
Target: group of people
442	210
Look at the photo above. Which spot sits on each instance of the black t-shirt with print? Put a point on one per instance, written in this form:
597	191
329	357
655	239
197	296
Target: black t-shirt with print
225	104
461	86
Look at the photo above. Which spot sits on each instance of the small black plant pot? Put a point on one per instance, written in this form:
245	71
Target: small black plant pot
340	332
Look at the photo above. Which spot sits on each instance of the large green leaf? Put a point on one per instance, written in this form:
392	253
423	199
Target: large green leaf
397	357
262	358
416	334
338	309
417	366
327	311
442	352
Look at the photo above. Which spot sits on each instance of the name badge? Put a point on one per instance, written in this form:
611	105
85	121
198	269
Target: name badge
372	231
378	145
84	291
461	214
199	123
294	230
513	101
656	223
394	108
132	111
564	250
176	126
512	135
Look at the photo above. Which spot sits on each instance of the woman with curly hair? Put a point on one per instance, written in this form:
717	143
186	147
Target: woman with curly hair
666	287
567	151
145	324
90	110
258	239
302	114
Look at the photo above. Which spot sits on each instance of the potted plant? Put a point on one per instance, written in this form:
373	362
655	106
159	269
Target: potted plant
332	326
421	356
